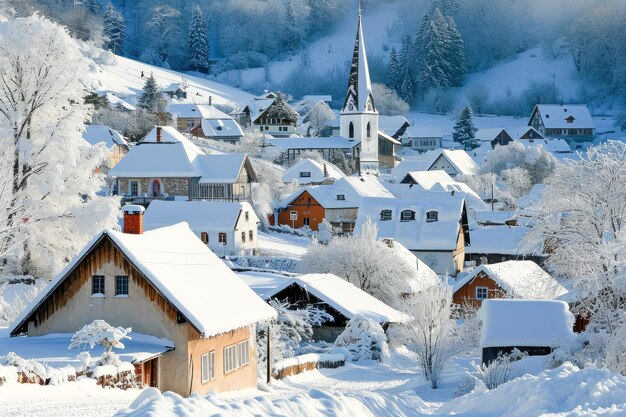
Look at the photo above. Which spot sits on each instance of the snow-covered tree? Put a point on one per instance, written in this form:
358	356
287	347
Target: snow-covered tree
320	117
464	131
535	159
99	332
198	41
324	232
365	340
394	72
114	30
151	95
52	195
388	103
478	97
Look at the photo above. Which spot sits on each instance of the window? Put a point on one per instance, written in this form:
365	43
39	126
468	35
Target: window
407	215
222	238
482	293
134	188
121	285
306	221
351	130
341	196
243	349
230	358
97	284
368	130
204	236
204	371
243	237
251	235
385	215
432	216
212	364
247	215
305	174
308	200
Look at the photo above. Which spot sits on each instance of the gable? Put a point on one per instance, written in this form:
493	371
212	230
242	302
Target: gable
303	198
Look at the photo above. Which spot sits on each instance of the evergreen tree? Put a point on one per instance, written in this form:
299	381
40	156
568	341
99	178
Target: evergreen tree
114	30
93	6
404	56
151	97
464	131
407	90
455	52
198	41
294	38
434	68
393	72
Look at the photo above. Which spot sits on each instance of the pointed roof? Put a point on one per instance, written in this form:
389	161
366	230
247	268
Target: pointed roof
359	84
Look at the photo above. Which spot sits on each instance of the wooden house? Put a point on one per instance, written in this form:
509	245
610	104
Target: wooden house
148	281
278	119
112	140
570	120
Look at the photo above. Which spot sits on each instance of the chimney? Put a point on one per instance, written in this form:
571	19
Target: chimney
133	219
159	135
210	100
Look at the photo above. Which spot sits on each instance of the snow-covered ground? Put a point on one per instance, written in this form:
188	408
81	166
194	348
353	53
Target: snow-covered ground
282	244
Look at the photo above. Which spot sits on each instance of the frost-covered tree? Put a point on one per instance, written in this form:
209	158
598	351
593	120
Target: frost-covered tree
464	131
198	41
320	117
364	339
151	95
539	163
52	195
394	72
388	103
114	30
324	232
478	97
99	332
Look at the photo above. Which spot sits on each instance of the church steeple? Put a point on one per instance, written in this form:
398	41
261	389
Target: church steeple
359	97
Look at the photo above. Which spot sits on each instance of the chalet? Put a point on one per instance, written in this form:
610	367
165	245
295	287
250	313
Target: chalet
339	298
432	225
510	279
571	120
248	111
164	283
493	136
166	165
531	326
175	91
452	161
269	113
204	120
338	203
112	139
227	228
311	172
422	138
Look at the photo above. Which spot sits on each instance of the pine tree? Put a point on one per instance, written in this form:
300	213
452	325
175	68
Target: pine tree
405	53
433	67
151	96
198	41
293	38
455	52
407	90
114	30
393	72
464	131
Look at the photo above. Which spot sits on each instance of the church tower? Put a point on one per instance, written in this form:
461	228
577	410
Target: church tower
359	119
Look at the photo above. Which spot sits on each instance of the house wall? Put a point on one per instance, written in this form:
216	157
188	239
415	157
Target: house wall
467	293
186	124
169	186
423	144
442	163
306	210
442	262
116	154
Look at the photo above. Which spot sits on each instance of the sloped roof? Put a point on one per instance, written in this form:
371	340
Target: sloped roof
487	135
223	167
100	133
554	116
359	85
520	279
502	240
186	273
525	323
516	132
459	159
115	102
391	124
219	128
338	293
191	110
423	131
279	109
319	170
417	234
205	216
549	144
333	142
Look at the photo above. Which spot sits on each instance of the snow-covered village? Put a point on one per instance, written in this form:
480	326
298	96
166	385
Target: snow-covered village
312	208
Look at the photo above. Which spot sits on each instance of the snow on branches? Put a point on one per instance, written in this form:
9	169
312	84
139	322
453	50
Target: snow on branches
99	332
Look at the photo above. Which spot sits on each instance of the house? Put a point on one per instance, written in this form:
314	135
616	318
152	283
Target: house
316	116
499	243
339	298
510	279
166	165
227	228
164	283
175	91
248	111
112	139
432	225
452	161
311	172
278	119
493	136
394	126
330	149
119	103
531	326
338	203
422	138
436	180
204	120
571	120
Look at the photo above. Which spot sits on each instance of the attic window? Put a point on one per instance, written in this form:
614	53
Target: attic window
341	196
570	119
305	174
547	116
385	215
204	236
432	216
407	215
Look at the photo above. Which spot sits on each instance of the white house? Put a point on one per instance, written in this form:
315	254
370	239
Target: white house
311	172
205	121
433	226
415	182
452	161
227	228
573	120
112	140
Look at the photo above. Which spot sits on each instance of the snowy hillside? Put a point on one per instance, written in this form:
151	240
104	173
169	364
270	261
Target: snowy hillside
123	76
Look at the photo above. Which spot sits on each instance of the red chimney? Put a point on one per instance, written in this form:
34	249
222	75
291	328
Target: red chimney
133	219
159	135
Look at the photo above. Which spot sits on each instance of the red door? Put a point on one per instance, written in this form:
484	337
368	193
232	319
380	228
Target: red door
156	188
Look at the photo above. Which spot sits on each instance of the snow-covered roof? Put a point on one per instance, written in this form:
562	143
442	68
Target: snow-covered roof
173	87
191	110
207	216
533	198
100	133
517	132
220	128
318	170
435	180
338	293
333	142
520	279
353	190
420	163
525	323
493	217
417	234
116	102
185	272
460	160
222	168
502	240
550	145
489	134
255	105
422	131
391	124
555	116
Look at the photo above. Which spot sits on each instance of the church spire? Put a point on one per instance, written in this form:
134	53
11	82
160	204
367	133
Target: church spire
359	97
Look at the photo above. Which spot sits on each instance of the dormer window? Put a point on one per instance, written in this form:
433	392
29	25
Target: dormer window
385	215
432	216
341	196
570	119
407	215
305	174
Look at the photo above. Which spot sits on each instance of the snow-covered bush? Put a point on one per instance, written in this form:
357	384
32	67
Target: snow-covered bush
502	369
539	163
616	350
324	232
99	332
28	371
365	339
